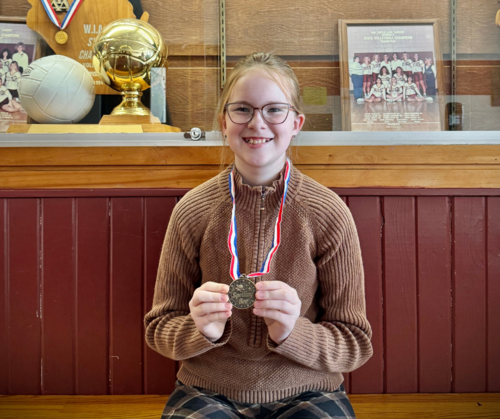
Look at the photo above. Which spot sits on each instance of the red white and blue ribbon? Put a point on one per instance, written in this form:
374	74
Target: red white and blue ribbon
69	16
234	269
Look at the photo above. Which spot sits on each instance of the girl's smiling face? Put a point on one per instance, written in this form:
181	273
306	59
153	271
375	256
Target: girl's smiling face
270	141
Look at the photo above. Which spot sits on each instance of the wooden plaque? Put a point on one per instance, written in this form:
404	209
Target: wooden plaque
89	20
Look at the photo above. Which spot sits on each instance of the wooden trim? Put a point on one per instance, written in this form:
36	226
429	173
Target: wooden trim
440	73
170	156
13	19
172	192
93	193
458	166
431	406
155	177
344	76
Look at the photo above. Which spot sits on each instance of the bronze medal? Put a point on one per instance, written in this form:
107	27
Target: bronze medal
61	37
242	292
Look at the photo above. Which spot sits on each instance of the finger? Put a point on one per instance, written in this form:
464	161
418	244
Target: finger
289	295
271	285
217	317
208	308
280	305
279	316
200	296
215	287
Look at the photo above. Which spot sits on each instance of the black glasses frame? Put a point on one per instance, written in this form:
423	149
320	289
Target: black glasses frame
290	108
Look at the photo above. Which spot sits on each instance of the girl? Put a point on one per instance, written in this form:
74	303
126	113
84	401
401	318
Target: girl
386	63
385	77
12	79
417	68
356	72
308	321
3	70
394	92
411	92
407	65
21	57
377	93
400	77
5	58
430	76
395	63
367	76
6	102
375	67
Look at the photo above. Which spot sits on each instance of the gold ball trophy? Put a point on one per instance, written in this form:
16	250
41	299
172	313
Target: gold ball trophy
123	55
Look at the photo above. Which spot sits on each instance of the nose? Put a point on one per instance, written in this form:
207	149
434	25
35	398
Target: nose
257	119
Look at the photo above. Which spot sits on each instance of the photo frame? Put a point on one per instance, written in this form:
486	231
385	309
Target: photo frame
409	50
21	46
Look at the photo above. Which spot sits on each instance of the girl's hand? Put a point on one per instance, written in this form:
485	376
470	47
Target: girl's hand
280	305
210	309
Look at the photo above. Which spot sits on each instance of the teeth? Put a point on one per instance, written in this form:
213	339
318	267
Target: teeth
258	141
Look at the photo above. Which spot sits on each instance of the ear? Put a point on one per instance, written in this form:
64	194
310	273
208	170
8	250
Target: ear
224	125
298	123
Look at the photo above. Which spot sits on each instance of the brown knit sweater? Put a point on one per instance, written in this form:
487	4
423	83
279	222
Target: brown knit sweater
319	256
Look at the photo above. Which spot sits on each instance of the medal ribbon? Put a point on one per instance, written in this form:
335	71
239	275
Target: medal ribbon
69	16
234	269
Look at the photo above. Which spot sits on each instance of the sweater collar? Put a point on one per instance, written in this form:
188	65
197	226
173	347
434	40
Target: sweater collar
249	196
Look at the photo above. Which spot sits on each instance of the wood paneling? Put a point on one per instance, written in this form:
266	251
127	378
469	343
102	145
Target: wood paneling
493	293
295	28
409	263
126	295
308	38
477	32
188	27
58	296
4	301
469	299
434	294
24	287
367	214
192	96
92	282
400	295
159	372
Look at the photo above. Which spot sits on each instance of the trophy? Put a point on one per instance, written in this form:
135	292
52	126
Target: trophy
123	55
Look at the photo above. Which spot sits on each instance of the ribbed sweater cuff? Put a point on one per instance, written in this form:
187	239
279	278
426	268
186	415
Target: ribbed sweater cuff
195	343
297	345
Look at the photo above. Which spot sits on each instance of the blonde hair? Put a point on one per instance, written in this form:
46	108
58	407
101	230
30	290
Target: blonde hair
278	71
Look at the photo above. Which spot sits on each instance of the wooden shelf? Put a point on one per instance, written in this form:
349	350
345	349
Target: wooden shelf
408	166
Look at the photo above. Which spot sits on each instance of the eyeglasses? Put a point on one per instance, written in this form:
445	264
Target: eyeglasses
272	113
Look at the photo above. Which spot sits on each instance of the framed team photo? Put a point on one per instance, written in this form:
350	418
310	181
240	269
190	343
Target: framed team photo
391	75
19	47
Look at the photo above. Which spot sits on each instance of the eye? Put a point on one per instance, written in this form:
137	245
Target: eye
240	108
275	108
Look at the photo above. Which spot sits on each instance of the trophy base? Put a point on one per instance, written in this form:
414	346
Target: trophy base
128	120
131	105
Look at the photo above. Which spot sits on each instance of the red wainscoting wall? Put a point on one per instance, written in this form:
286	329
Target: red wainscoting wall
77	275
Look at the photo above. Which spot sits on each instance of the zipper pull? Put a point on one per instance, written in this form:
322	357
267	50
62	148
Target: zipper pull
263	196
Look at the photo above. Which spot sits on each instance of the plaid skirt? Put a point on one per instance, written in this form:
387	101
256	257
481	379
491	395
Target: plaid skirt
198	403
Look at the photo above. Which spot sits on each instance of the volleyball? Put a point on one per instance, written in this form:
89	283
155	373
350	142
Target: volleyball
56	90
